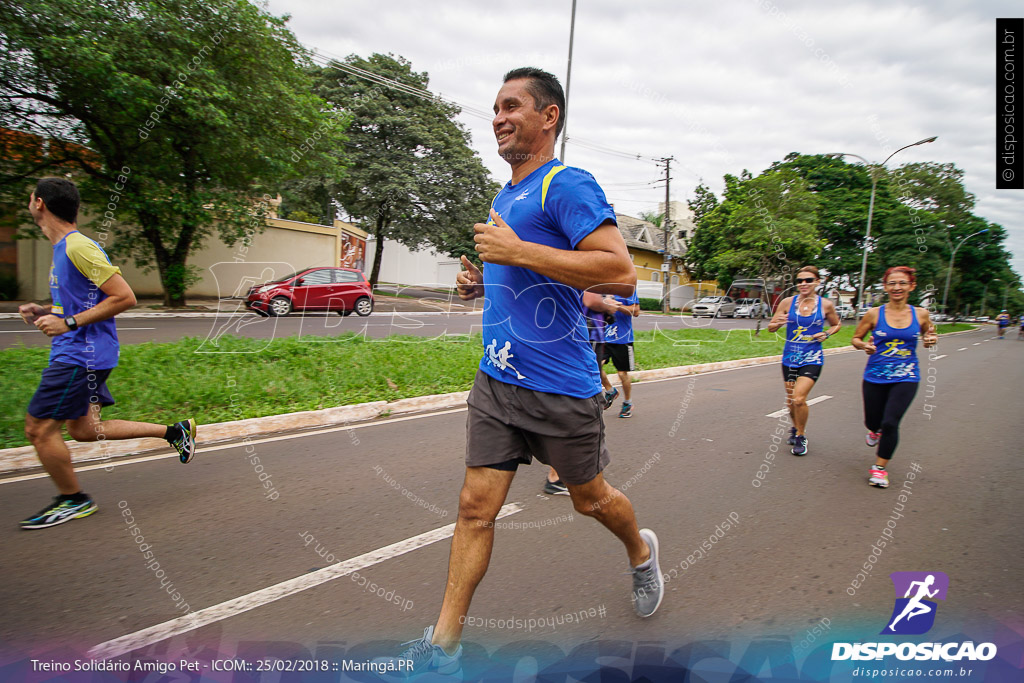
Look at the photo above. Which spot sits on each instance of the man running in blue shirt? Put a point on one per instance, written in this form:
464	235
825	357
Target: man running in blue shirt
618	347
550	236
87	292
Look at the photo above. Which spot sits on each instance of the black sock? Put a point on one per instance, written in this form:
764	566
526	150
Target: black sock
172	431
879	467
79	497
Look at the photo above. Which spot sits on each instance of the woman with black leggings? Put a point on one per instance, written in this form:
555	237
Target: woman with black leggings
892	373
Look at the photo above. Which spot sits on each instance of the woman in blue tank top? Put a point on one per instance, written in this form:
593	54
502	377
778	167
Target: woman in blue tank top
804	316
892	373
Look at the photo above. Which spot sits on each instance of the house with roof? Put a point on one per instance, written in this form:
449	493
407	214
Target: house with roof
646	244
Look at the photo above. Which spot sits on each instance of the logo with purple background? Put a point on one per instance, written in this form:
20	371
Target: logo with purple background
915	608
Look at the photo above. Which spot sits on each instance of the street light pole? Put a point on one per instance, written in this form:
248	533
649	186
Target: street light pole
952	256
568	77
875	170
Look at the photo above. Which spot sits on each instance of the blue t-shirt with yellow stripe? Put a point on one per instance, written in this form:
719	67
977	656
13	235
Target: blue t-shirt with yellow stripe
534	332
78	270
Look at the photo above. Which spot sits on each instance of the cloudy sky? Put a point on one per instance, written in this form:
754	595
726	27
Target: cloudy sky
719	86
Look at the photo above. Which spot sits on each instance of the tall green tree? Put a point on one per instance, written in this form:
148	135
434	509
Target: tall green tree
414	177
843	191
703	203
192	110
702	242
764	227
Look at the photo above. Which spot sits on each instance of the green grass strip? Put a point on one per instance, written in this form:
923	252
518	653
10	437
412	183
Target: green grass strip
247	378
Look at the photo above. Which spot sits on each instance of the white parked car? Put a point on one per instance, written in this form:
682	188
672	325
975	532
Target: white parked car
715	307
751	308
846	312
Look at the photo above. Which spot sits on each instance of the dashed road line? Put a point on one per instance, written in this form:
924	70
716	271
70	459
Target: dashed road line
244	603
785	411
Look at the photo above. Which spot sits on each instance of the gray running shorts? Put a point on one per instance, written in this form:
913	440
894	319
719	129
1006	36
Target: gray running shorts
510	422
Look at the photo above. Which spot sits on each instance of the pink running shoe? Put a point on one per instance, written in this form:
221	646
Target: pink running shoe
872	438
879	478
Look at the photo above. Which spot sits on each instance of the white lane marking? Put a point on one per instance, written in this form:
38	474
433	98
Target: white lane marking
963	349
940	357
244	603
785	411
251	442
977	343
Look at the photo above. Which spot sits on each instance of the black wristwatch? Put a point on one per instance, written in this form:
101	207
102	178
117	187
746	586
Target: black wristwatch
71	323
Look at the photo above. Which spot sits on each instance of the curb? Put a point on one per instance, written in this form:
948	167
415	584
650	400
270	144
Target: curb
24	457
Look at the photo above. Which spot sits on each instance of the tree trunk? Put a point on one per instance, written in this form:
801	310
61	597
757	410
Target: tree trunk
172	273
378	252
165	261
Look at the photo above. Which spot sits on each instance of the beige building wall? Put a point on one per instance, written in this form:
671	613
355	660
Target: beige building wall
282	248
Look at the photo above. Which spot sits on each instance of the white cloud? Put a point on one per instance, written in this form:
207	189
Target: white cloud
720	87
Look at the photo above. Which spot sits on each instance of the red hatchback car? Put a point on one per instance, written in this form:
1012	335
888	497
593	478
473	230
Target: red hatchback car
314	289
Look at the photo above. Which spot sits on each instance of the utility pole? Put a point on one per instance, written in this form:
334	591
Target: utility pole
665	219
568	77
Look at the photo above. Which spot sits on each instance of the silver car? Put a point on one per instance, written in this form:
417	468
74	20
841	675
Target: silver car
751	308
715	307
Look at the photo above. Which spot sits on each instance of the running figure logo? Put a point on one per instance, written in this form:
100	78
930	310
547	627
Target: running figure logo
799	336
914	613
499	358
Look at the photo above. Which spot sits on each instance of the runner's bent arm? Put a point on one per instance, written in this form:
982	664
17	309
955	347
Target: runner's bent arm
864	328
119	298
833	320
779	319
600	263
469	282
929	335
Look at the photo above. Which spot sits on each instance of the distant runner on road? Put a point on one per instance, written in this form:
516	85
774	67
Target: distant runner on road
1002	321
550	236
618	347
804	316
87	292
893	372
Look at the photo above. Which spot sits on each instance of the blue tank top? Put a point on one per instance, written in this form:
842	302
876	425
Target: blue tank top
800	349
895	357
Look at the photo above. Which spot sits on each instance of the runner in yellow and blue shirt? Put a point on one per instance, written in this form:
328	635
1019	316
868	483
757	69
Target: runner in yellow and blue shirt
892	372
87	291
804	316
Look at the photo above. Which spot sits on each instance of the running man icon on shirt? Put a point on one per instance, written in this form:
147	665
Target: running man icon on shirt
499	359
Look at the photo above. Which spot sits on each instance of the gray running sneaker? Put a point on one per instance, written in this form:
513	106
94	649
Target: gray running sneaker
421	657
648	585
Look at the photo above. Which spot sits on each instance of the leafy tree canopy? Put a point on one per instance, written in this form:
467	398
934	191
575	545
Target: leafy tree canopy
190	110
414	177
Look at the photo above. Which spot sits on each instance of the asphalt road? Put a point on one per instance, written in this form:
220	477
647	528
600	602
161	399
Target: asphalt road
688	458
166	328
